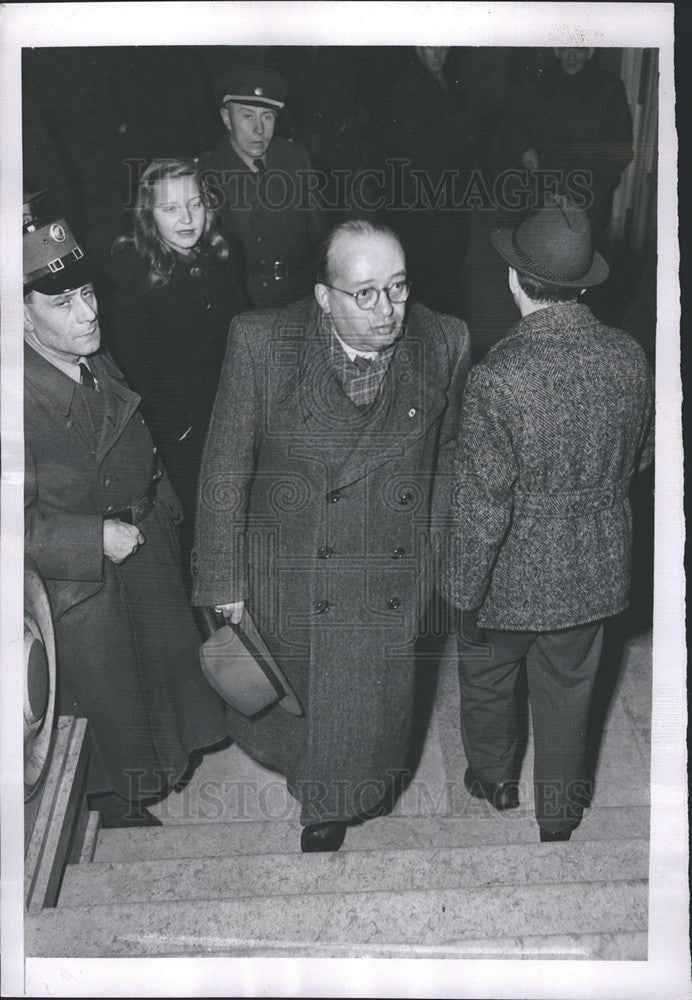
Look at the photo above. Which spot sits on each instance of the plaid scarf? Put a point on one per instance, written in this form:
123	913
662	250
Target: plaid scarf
361	378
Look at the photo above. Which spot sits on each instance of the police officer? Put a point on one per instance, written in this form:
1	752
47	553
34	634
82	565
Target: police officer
262	188
99	523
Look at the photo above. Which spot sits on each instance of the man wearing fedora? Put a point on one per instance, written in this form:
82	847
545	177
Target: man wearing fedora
260	184
556	420
100	519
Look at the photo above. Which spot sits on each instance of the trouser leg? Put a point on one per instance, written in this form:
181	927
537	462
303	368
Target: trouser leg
488	674
561	670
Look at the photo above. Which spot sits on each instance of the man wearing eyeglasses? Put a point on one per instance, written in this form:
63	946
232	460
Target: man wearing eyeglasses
325	477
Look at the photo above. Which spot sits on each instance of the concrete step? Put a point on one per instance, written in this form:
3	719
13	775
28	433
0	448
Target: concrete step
480	826
429	919
295	875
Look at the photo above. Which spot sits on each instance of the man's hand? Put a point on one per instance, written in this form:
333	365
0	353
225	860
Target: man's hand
120	540
234	611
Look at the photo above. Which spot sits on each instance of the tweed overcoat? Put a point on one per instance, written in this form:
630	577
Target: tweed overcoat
127	645
320	517
555	421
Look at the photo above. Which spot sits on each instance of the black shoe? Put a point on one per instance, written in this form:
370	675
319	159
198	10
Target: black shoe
501	797
322	837
117	812
551	835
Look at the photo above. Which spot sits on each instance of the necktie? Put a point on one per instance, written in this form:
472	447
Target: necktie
86	376
259	164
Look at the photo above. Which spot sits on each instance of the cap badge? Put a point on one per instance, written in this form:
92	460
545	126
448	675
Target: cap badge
258	91
57	233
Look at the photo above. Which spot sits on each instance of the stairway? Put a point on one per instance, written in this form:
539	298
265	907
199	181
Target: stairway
443	876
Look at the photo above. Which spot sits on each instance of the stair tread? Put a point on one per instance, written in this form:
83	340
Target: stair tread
417	917
481	826
233	877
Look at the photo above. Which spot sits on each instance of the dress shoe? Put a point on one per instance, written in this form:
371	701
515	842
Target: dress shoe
548	836
117	813
501	797
322	837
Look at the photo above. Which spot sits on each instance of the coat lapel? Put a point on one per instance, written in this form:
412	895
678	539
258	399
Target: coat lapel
119	403
412	397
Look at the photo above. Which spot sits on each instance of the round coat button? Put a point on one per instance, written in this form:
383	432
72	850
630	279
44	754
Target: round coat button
333	497
324	552
399	552
321	607
196	272
106	482
412	412
405	499
70	423
393	603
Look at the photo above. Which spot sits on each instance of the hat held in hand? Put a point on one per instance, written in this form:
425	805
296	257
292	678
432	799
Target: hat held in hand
553	247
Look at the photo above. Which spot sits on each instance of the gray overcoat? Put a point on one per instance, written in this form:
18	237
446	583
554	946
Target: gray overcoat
320	517
127	645
555	421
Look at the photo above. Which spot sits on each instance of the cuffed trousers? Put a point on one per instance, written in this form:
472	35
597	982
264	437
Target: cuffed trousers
561	670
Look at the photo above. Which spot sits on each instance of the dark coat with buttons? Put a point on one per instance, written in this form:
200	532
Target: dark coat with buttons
556	420
127	645
272	216
170	343
320	516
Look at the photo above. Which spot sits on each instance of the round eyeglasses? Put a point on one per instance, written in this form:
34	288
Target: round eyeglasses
367	298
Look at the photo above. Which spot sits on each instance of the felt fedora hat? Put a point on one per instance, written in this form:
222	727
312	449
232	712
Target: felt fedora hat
240	668
553	246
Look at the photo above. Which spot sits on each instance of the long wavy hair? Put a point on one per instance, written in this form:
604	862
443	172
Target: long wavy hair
159	258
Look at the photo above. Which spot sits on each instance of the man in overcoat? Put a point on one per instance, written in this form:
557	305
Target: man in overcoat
556	420
322	479
100	525
260	184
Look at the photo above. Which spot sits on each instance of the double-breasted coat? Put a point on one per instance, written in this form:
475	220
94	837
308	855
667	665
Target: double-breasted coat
127	645
320	517
556	420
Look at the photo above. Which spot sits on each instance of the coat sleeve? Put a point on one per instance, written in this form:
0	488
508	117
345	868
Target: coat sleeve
219	557
482	499
646	456
460	363
65	545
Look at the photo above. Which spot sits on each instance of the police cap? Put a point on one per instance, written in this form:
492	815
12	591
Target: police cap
254	85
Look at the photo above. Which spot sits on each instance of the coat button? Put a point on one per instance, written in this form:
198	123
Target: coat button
324	552
399	552
321	607
70	423
393	603
412	412
106	481
405	499
196	272
333	497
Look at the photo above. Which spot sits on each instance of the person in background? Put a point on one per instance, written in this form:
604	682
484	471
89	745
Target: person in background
100	516
175	288
419	115
260	186
556	421
574	116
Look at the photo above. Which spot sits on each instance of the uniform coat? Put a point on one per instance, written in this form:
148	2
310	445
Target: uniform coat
127	646
320	516
555	421
270	215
